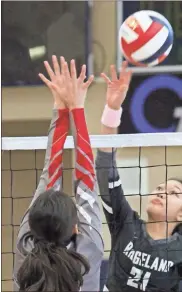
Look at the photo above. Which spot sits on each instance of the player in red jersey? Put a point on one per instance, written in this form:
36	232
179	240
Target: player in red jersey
59	244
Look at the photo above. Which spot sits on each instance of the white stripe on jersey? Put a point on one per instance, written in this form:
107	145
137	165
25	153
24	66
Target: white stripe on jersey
114	184
85	196
108	208
105	288
85	215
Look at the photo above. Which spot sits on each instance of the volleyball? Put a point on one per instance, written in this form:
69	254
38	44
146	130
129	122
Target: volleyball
146	38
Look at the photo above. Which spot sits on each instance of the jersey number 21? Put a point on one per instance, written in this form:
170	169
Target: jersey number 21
138	279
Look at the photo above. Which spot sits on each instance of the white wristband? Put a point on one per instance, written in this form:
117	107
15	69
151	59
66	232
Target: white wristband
111	118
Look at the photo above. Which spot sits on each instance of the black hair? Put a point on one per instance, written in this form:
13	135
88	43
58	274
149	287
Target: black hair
178	228
51	266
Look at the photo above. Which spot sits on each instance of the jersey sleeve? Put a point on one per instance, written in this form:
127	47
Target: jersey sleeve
115	205
86	196
51	176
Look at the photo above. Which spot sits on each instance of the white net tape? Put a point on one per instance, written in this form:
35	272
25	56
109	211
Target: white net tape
126	140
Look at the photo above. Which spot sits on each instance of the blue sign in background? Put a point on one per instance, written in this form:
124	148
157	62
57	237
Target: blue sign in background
150	104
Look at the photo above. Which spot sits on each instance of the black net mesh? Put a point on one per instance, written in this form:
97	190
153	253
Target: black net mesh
20	175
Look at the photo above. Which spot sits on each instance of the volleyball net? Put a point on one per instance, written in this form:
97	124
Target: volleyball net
143	161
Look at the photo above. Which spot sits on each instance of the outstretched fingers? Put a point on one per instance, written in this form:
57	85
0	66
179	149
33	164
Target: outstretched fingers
124	65
56	65
50	72
66	71
113	73
45	80
125	74
106	78
82	76
123	69
49	84
73	70
129	75
88	82
62	61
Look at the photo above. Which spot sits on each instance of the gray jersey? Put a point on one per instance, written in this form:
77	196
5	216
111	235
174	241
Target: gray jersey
89	241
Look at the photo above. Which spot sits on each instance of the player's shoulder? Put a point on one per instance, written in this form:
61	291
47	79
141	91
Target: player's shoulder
174	245
176	239
134	217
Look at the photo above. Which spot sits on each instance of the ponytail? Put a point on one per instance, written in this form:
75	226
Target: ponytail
52	268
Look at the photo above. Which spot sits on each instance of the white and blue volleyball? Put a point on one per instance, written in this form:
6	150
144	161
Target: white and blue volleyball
146	38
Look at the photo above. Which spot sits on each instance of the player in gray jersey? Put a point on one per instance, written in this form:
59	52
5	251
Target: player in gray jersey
59	244
145	256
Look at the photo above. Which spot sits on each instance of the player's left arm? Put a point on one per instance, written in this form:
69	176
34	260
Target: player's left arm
115	205
89	213
89	243
85	179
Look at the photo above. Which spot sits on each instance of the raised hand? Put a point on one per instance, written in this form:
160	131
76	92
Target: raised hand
56	82
76	88
117	87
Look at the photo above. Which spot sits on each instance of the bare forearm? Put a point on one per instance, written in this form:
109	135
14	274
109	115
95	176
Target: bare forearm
108	131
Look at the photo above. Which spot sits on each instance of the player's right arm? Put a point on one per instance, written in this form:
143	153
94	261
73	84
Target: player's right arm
51	176
115	205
